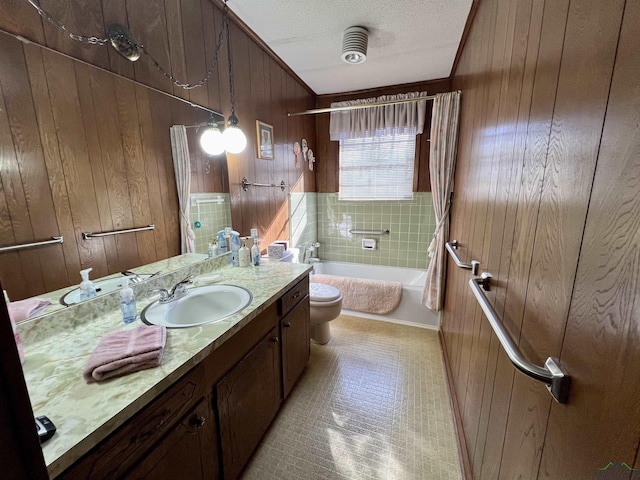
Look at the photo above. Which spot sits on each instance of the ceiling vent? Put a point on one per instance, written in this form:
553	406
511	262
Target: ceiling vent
354	45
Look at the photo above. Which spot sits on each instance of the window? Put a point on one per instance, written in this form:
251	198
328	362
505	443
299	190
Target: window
377	168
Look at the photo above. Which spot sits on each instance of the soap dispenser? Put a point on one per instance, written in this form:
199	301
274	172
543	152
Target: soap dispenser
127	302
87	288
244	256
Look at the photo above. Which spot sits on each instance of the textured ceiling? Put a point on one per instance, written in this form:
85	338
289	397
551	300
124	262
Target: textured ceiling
409	40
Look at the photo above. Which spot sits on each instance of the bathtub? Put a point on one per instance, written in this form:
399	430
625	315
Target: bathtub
410	311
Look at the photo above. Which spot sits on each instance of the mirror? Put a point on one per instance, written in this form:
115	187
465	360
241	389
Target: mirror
96	158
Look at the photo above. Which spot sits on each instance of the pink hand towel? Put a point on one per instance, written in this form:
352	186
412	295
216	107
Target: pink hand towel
23	309
126	351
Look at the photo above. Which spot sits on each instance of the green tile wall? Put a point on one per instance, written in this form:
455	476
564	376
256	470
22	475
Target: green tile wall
411	223
213	217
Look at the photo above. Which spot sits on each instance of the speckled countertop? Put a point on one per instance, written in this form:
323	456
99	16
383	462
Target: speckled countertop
58	345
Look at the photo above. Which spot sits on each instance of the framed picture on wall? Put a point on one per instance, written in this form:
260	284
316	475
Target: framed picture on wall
264	143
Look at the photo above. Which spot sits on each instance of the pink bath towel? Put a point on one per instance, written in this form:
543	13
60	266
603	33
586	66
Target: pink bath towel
126	351
24	309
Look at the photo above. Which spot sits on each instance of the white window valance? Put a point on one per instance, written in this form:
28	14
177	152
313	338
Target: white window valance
399	118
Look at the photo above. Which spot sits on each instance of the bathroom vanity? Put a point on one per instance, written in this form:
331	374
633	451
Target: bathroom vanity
203	412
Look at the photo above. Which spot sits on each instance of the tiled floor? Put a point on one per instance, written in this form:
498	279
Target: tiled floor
372	404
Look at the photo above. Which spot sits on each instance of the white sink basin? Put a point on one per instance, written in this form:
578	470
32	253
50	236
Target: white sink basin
103	287
201	306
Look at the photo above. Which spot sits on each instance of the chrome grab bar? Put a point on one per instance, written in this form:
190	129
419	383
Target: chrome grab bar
370	232
246	184
89	235
552	374
53	240
473	266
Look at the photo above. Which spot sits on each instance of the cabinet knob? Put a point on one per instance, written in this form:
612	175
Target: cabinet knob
199	422
275	339
288	325
296	295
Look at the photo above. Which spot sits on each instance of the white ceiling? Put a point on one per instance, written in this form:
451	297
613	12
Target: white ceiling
409	40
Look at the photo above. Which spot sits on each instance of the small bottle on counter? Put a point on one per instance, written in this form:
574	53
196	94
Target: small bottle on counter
255	248
87	288
244	256
127	302
255	253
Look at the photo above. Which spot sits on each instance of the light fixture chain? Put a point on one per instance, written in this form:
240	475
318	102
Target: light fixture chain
80	38
232	94
103	41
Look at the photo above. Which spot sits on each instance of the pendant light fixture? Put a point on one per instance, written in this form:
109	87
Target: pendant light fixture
234	139
211	140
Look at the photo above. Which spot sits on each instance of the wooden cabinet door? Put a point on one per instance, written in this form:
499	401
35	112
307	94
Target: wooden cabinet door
248	399
189	451
295	345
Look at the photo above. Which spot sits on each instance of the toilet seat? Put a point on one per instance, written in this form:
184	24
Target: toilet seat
321	293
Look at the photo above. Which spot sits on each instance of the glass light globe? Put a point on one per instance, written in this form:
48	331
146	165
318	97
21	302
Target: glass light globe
212	141
234	139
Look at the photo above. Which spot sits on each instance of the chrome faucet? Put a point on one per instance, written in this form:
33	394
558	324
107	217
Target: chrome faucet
176	292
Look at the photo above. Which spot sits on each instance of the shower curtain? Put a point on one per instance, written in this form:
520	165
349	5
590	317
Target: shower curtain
442	162
182	168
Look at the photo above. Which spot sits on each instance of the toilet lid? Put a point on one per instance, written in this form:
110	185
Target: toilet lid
320	292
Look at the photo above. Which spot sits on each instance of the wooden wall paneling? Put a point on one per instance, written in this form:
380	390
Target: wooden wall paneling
242	164
161	115
591	39
212	27
82	18
115	12
20	118
514	109
135	167
468	198
106	102
260	93
529	402
148	22
494	225
152	157
175	35
49	140
194	49
11	268
20	18
475	243
464	204
600	347
67	115
33	173
92	121
538	123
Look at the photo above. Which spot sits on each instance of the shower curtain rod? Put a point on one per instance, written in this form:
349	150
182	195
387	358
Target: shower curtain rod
356	107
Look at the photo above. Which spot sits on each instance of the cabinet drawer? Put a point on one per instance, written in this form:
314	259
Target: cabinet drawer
291	298
120	451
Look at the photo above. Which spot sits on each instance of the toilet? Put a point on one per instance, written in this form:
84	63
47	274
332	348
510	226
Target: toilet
326	304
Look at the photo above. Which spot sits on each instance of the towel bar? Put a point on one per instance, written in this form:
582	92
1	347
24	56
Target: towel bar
90	235
53	240
552	374
370	232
